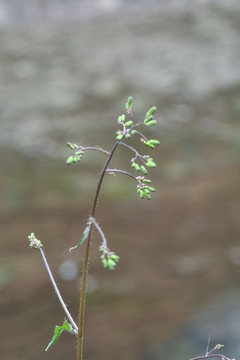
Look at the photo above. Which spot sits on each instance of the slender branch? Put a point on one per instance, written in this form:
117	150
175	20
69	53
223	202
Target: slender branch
142	136
97	226
141	157
131	148
58	292
112	171
210	356
86	258
91	148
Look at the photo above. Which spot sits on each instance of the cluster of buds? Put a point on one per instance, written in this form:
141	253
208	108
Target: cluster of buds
77	155
143	188
151	143
34	242
126	131
109	259
149	121
148	161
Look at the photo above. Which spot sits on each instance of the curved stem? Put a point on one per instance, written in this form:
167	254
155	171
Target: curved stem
112	171
131	148
97	226
142	136
137	155
86	258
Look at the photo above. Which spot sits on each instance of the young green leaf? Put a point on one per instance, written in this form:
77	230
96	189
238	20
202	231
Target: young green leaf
129	123
151	189
146	181
121	118
70	160
104	262
151	111
129	103
135	166
57	332
119	135
111	264
154	142
151	164
114	257
147	143
144	170
147	196
150	123
219	346
147	119
83	238
70	145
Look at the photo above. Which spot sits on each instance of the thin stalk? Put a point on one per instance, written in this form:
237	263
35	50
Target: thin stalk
210	356
86	259
58	292
104	240
94	148
112	171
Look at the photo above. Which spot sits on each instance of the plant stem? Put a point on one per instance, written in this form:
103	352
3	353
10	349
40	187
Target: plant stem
104	241
58	292
211	356
112	171
86	258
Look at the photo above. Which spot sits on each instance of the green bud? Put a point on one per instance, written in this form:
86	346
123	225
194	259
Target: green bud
219	346
114	257
151	189
128	136
147	143
154	142
151	164
104	251
34	242
141	193
79	152
133	132
147	119
146	181
129	123
129	103
151	111
104	262
111	264
143	169
70	160
119	136
150	123
121	118
147	196
70	145
135	166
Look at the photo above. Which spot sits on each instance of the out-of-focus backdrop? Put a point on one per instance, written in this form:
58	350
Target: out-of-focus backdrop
66	70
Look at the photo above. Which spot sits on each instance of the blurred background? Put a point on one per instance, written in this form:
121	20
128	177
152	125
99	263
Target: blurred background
66	70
